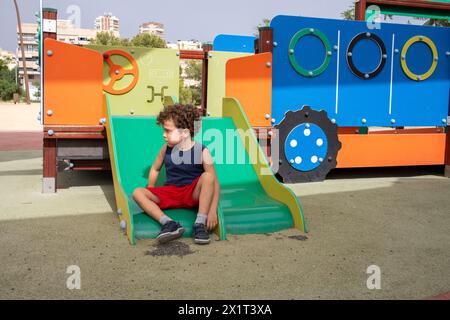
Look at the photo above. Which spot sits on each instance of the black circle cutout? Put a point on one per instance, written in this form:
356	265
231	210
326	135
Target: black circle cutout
379	43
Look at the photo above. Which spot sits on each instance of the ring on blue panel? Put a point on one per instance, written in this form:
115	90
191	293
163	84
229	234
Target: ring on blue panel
432	46
351	64
326	43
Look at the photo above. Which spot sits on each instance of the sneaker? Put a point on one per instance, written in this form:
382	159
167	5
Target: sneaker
170	231
201	235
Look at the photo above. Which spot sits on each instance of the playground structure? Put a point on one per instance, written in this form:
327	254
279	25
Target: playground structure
317	85
127	87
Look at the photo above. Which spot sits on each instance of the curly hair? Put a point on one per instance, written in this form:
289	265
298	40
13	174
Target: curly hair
183	116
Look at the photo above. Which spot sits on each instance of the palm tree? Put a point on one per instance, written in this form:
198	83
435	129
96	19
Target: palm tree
24	59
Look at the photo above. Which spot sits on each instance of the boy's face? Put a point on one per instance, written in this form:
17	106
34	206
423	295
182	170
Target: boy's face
172	135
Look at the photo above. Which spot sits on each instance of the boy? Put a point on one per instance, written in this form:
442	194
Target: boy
191	177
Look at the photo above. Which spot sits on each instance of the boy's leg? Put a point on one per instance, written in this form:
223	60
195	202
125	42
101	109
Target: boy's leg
214	204
203	188
204	194
148	202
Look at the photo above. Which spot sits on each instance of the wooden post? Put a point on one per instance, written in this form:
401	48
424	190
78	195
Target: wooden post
49	23
49	30
265	41
206	48
360	10
49	173
265	44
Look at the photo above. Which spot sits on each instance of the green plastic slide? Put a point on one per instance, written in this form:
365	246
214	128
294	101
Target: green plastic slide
244	206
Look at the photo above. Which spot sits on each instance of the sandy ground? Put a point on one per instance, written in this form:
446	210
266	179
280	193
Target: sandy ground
19	117
397	219
356	219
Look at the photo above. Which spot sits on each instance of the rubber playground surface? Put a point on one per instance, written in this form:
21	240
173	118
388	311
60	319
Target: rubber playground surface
397	219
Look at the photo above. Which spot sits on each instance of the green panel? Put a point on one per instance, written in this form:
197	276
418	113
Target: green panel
158	68
217	61
245	206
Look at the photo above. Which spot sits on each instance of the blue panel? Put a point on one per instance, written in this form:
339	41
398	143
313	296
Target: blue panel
355	101
225	42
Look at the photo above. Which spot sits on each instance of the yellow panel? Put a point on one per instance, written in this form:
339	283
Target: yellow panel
216	79
273	188
121	198
158	76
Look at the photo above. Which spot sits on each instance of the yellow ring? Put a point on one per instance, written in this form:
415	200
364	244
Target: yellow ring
432	46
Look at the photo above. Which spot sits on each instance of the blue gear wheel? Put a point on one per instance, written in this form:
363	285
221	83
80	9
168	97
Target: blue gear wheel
309	146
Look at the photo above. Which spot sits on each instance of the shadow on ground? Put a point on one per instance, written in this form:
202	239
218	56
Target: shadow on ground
6	156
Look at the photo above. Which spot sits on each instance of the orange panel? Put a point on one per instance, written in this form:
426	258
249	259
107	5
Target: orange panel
384	150
73	84
249	80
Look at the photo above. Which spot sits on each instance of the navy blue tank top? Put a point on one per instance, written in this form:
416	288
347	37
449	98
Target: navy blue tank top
183	167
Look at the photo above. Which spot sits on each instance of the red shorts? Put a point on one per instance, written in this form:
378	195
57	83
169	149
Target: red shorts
171	197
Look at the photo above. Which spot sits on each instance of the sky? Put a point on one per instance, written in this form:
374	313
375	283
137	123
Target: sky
183	20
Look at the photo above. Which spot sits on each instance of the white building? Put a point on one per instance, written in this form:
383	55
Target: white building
108	23
189	45
10	58
31	50
66	32
153	28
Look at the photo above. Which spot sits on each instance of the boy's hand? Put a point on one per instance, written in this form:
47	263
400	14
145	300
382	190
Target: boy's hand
211	220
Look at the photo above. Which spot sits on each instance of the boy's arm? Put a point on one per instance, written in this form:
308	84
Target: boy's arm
208	164
156	167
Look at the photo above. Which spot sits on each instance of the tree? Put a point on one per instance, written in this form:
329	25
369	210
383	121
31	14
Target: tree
191	94
349	14
37	85
196	92
7	82
185	93
264	23
148	40
140	40
194	70
107	39
22	49
435	22
3	65
7	89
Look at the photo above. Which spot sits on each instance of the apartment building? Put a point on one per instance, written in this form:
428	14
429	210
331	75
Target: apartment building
66	32
108	23
153	28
